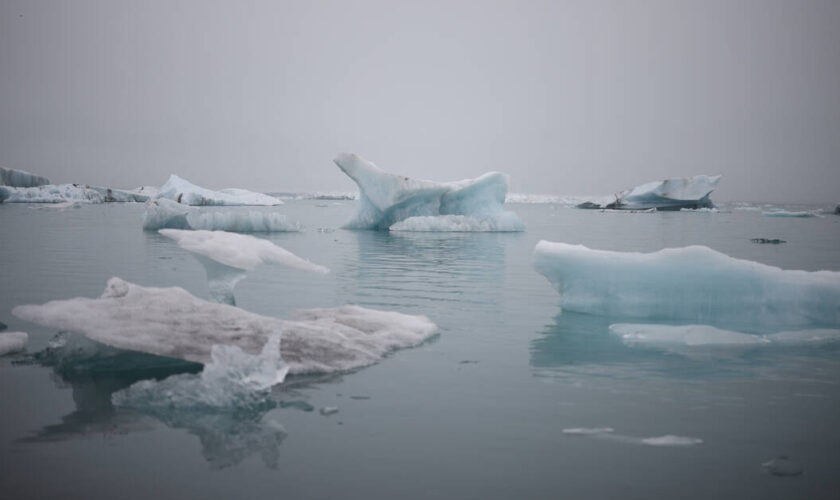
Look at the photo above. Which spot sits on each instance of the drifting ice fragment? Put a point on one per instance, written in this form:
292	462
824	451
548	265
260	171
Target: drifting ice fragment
238	250
587	431
20	178
671	440
785	213
782	466
163	213
12	342
690	285
328	410
386	199
187	193
668	194
172	323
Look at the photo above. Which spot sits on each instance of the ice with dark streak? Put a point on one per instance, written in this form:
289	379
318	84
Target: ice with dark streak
387	199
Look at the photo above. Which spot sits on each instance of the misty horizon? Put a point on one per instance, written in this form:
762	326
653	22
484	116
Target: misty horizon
567	98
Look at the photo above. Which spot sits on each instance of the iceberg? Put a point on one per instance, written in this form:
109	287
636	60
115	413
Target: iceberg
50	193
187	193
163	213
694	284
110	195
504	222
171	322
20	178
668	194
386	199
677	336
12	342
785	213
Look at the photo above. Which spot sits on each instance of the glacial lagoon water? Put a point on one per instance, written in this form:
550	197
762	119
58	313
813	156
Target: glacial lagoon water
479	411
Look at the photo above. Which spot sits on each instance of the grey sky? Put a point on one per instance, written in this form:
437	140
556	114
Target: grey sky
583	97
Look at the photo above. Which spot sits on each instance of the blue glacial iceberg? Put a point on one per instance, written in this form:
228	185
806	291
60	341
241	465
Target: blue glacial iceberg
171	322
187	193
695	285
386	199
668	194
163	213
19	178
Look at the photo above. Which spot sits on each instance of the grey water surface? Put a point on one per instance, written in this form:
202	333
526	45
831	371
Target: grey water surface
476	412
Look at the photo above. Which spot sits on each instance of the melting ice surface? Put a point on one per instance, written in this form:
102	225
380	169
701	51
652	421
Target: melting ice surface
50	193
173	323
690	285
164	213
187	193
387	199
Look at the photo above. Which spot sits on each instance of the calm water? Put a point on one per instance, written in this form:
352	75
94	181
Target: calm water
477	412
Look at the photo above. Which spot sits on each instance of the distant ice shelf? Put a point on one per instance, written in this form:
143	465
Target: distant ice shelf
694	285
387	199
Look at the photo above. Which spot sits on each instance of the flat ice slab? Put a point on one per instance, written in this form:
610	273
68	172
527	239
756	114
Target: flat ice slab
694	285
187	193
386	199
240	251
173	323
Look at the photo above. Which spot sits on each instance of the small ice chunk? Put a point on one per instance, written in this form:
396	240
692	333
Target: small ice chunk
587	431
782	466
786	213
238	250
12	342
329	410
688	335
671	440
187	193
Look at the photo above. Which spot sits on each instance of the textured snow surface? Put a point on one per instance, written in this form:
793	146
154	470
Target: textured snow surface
187	193
694	285
163	213
12	342
20	178
386	199
238	250
786	213
50	193
173	323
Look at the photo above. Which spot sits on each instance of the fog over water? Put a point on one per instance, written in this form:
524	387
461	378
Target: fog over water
567	97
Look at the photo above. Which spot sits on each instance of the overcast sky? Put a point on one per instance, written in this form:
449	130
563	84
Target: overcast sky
568	97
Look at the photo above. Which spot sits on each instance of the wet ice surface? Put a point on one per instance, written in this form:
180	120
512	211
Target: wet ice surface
490	428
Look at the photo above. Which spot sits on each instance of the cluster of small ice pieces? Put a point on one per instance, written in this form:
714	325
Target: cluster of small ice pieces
608	433
420	205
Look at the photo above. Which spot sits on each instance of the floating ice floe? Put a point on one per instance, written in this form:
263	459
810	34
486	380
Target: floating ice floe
694	284
386	199
668	194
12	342
607	433
688	335
238	250
164	213
504	222
786	213
187	193
782	466
173	323
20	179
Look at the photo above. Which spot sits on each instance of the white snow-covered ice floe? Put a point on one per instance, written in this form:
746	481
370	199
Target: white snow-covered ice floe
187	193
668	194
705	335
607	433
12	342
164	213
386	199
20	178
238	250
694	284
173	323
